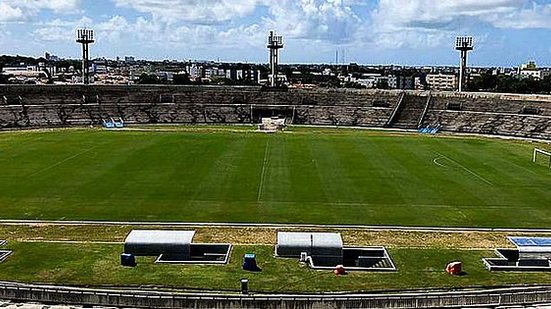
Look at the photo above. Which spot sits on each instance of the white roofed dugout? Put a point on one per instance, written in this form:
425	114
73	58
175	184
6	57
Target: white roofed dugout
291	244
156	242
532	247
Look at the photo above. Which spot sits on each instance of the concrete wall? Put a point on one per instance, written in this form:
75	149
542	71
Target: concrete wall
24	106
152	299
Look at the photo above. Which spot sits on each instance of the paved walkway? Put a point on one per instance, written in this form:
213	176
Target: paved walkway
276	226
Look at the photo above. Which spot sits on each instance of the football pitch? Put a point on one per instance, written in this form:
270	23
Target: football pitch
303	175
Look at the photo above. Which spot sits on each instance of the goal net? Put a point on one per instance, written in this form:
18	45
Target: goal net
272	124
539	153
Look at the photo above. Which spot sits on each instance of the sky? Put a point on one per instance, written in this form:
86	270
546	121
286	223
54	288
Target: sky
401	32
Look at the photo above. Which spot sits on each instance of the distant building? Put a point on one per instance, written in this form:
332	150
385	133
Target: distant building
99	67
530	70
196	71
251	75
419	83
50	57
401	82
129	59
24	73
442	81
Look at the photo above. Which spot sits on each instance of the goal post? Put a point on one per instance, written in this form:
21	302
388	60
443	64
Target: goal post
541	152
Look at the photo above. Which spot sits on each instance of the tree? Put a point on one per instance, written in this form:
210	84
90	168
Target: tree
546	84
181	79
382	84
5	79
148	79
484	82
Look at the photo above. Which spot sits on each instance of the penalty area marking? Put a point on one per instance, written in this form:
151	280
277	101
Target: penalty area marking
436	161
264	163
465	169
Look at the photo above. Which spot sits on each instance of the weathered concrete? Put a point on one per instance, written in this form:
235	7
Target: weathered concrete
24	106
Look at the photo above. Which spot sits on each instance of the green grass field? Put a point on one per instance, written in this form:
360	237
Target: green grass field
326	176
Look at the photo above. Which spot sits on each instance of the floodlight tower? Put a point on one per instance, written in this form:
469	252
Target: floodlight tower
275	43
85	37
464	44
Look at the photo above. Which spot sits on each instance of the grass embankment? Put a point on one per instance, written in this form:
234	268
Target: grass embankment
84	255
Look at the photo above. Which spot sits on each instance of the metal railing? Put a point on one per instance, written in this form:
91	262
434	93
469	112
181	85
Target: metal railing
395	111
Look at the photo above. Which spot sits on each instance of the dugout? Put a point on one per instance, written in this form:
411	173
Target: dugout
326	247
174	247
531	254
324	251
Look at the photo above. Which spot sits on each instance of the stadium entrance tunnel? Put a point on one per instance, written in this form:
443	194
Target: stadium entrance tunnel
174	247
324	251
531	254
282	112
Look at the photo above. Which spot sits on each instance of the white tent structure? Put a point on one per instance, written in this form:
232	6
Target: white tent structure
155	242
322	246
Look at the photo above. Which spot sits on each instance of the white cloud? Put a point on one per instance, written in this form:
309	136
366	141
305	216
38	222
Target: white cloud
52	34
328	20
435	22
144	32
308	26
59	30
23	10
200	11
9	13
325	20
531	17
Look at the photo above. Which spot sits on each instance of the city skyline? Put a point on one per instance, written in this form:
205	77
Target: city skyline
417	32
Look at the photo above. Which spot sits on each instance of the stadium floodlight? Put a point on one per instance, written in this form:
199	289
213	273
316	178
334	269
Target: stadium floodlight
85	37
275	43
464	44
538	151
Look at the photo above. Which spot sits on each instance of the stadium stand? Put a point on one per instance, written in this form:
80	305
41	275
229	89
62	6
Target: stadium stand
51	105
515	115
410	111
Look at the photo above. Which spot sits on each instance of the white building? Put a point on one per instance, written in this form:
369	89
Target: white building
530	70
442	81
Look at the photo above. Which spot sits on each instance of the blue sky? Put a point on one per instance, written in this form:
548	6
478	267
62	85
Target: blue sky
405	32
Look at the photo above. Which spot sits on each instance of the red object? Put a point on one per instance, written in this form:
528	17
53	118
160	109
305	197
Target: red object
454	268
339	270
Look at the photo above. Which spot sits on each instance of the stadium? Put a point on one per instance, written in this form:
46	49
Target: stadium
434	177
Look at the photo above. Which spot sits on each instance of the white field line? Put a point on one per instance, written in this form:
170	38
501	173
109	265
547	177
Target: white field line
467	170
435	161
72	241
262	174
61	162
